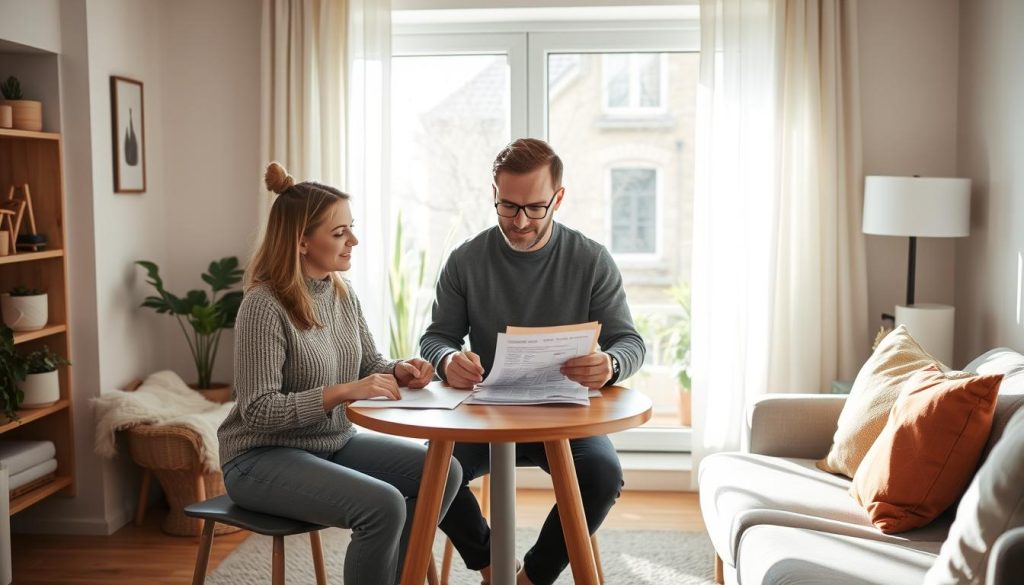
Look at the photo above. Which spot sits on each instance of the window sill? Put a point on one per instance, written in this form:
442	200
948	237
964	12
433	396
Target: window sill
635	122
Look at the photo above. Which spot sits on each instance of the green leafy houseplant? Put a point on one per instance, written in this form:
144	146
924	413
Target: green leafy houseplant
673	334
12	371
201	317
23	291
44	360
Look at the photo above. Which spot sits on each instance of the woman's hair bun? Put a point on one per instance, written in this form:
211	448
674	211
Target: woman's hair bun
277	179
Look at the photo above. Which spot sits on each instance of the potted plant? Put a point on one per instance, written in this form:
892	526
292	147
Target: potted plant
12	372
26	114
41	386
202	317
24	309
674	341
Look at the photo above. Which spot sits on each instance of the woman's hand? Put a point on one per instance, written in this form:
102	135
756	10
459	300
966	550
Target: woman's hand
414	373
371	386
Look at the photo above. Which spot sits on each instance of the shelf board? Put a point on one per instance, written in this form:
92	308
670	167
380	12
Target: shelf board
25	500
30	256
27	415
23	336
11	133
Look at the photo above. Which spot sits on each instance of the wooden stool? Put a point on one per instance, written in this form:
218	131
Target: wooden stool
222	509
485	507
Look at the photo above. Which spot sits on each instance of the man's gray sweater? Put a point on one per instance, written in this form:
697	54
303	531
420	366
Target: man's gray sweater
281	372
486	286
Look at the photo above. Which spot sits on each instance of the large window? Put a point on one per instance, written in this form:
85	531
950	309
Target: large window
618	107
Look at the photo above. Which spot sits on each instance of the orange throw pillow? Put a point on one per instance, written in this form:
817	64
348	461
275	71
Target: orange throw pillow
928	451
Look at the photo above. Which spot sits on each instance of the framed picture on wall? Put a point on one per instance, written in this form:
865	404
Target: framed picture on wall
129	135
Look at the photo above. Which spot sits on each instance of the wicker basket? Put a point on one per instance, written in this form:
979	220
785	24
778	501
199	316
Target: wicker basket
171	453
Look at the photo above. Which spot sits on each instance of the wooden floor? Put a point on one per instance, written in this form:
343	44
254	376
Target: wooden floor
136	555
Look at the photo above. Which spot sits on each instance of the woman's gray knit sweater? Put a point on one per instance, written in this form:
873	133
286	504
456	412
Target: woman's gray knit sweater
281	372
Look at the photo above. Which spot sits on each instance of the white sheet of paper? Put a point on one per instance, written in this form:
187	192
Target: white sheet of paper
435	395
526	367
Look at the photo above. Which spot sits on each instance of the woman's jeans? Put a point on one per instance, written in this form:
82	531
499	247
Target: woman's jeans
369	486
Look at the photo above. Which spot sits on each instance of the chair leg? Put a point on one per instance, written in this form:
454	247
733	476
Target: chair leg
318	557
719	570
432	572
446	561
277	563
597	558
485	496
203	554
140	507
200	480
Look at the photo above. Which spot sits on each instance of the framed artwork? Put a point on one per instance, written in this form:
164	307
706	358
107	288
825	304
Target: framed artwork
129	135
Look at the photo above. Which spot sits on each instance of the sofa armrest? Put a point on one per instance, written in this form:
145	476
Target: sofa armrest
793	425
1006	563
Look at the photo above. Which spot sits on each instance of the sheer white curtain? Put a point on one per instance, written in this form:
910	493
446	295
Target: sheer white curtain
303	90
779	281
325	96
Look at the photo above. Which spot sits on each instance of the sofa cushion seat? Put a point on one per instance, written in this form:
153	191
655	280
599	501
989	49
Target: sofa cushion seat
782	555
741	490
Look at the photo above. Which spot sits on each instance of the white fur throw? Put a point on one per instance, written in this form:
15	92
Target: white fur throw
162	400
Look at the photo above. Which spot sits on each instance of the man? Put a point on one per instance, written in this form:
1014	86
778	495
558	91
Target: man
530	271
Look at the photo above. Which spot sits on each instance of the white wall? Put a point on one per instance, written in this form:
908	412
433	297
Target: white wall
991	153
33	23
199	62
908	80
211	95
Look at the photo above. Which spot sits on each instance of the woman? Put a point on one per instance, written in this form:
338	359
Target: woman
302	351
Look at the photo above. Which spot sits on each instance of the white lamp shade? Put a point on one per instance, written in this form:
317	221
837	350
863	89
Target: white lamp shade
917	206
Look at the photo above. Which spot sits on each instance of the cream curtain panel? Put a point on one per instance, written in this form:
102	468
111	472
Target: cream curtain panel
779	277
325	96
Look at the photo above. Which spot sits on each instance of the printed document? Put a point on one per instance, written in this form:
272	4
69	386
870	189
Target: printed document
526	366
434	395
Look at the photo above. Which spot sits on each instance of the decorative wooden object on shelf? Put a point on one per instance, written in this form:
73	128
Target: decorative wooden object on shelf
32	200
35	240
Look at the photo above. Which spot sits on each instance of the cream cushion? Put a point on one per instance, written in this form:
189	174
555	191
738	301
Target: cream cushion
874	391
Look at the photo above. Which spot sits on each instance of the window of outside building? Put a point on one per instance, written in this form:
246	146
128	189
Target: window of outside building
634	210
634	83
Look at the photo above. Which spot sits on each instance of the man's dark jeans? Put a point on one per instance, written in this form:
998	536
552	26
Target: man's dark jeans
600	477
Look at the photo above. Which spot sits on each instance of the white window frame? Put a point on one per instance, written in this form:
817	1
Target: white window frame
527	45
640	257
634	109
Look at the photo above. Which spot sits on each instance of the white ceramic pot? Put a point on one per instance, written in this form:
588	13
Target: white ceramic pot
24	313
40	389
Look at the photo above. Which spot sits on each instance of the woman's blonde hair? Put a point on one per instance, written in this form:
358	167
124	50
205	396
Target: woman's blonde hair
297	211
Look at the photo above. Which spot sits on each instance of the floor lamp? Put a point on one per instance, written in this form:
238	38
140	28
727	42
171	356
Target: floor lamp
917	207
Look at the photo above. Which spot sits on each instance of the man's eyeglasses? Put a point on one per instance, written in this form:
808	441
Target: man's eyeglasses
511	210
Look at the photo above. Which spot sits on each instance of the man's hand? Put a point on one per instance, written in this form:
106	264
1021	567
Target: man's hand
592	370
414	373
462	369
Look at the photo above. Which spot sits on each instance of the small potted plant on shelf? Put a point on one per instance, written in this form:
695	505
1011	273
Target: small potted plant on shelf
674	336
12	372
202	317
24	309
26	114
41	386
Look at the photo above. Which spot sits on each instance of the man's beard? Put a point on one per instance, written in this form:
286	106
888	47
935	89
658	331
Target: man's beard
525	247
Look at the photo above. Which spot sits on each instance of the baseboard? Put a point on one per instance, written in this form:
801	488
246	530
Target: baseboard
75	526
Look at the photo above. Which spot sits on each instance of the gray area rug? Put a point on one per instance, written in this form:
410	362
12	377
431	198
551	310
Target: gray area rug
629	557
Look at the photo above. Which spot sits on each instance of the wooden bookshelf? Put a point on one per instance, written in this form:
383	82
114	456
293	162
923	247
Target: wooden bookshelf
36	159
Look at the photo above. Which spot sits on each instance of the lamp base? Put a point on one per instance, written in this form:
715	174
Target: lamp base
932	326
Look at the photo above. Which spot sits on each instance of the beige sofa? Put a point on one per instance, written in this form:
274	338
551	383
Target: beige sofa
774	518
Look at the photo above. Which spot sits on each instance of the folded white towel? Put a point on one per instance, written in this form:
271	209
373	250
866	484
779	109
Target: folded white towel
17	456
163	400
32	473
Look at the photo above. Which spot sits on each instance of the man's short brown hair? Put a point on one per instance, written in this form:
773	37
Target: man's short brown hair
526	155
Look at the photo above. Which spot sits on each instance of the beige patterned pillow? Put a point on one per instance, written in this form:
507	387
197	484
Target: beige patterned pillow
874	391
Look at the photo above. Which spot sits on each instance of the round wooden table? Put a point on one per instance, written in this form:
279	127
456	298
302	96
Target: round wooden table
616	409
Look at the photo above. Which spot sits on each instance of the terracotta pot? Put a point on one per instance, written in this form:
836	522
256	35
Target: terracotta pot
27	114
686	408
219	392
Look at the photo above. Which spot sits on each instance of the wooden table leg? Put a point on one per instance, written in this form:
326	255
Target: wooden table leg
570	512
428	510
